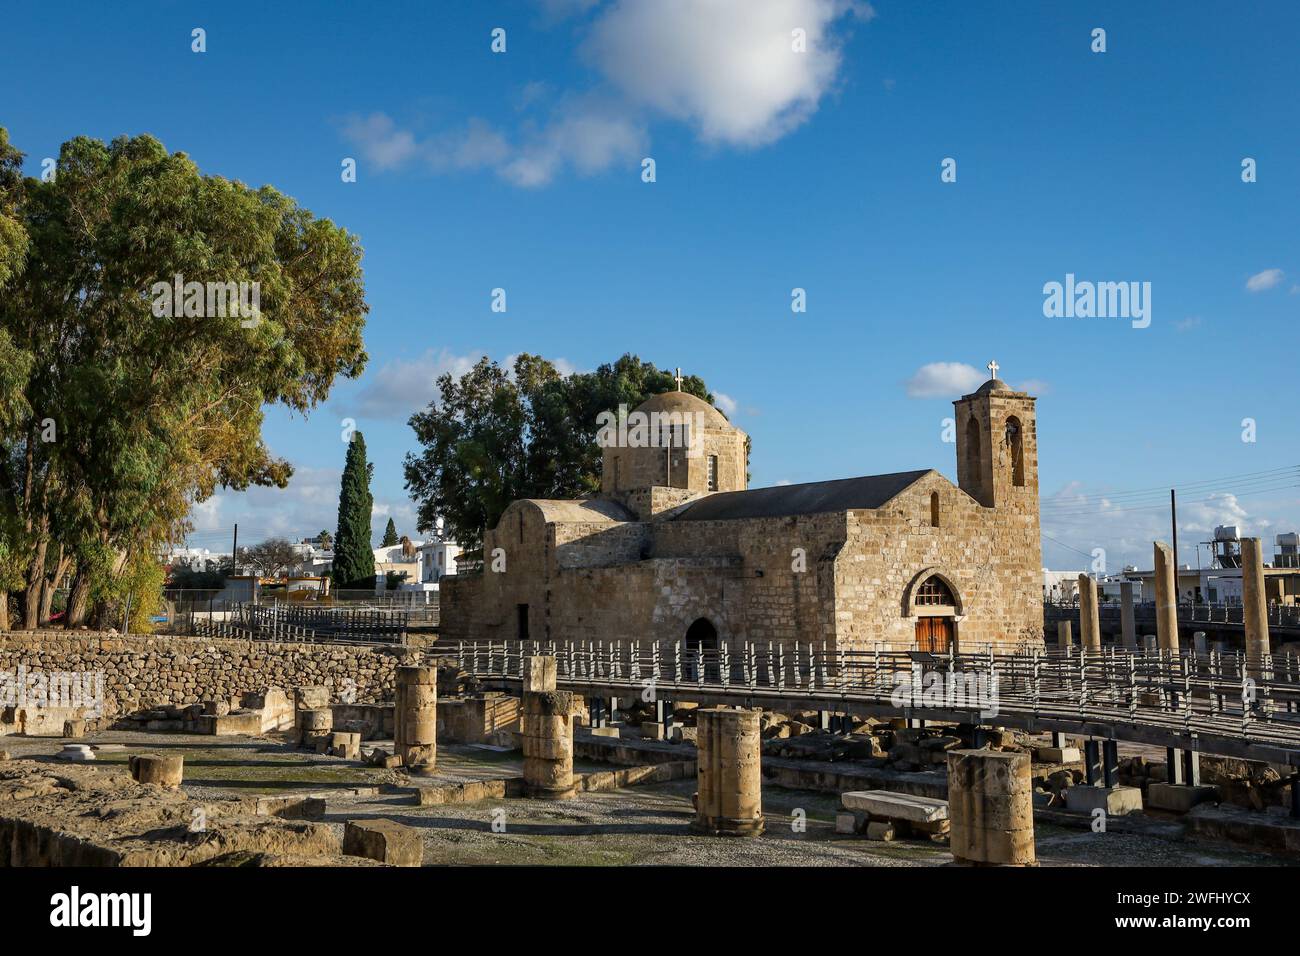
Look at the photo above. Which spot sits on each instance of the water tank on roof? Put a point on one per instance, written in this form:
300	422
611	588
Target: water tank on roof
1288	539
1225	532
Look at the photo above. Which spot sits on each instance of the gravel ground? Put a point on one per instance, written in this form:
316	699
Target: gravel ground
637	826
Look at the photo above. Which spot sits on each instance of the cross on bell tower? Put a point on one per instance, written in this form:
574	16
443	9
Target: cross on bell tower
993	367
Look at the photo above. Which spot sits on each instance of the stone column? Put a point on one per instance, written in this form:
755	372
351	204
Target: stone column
991	808
730	797
415	718
546	722
1254	605
1166	597
1127	622
1064	634
1089	614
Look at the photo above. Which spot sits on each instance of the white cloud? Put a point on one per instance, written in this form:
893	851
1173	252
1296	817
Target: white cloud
1126	530
1264	280
588	136
1035	386
725	402
380	141
401	387
944	380
386	147
727	67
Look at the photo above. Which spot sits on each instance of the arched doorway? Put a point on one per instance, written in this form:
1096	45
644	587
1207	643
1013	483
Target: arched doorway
935	608
702	646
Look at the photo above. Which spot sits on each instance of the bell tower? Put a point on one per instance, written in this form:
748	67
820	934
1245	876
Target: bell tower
997	446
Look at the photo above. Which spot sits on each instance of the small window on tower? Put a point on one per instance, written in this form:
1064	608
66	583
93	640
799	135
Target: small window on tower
713	473
934	509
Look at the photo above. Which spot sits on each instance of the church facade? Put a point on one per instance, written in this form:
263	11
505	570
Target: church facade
675	547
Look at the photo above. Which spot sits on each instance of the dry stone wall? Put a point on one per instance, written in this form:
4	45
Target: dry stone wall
148	671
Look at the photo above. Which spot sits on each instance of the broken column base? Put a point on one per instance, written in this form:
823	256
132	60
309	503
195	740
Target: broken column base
1116	801
1179	797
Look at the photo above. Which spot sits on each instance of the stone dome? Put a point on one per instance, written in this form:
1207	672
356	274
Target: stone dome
994	385
684	403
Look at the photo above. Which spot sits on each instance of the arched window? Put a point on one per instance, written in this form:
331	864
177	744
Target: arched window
934	593
973	448
934	509
1016	442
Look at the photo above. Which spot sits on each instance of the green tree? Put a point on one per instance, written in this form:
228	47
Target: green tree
493	437
134	412
390	535
271	558
354	559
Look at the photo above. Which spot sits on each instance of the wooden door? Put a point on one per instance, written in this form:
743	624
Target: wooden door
934	634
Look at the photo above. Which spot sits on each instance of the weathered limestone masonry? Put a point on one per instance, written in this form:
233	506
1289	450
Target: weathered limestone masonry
147	671
1166	597
547	725
730	797
1089	614
1254	605
689	554
991	807
415	718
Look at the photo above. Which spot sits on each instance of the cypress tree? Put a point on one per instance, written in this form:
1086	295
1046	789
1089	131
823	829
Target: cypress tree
390	535
354	561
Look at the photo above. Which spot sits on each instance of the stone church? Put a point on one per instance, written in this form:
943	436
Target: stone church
675	547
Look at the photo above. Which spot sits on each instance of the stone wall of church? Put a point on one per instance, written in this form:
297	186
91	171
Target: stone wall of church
598	545
990	557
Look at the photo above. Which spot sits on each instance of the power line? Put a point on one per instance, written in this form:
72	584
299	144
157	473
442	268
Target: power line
1202	494
1248	478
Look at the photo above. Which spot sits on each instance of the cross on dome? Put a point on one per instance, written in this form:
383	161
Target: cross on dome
993	367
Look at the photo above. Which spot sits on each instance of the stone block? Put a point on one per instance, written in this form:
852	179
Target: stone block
885	804
1116	801
311	697
1057	754
345	745
652	730
1179	797
880	831
605	732
384	841
846	823
74	729
247	723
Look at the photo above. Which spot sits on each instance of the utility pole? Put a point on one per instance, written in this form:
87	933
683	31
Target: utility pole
1173	520
234	552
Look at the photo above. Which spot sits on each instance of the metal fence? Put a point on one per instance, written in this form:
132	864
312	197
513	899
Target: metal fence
1222	695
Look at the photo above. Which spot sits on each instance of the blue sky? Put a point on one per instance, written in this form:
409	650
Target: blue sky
774	171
